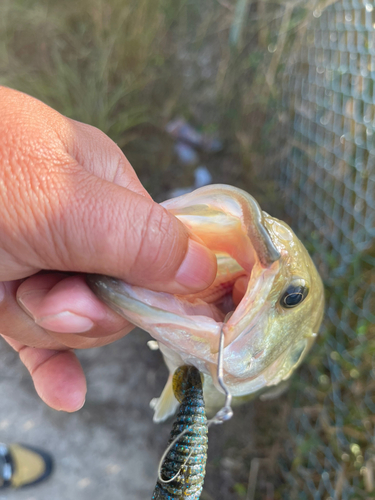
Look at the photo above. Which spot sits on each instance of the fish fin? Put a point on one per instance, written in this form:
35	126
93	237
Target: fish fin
166	404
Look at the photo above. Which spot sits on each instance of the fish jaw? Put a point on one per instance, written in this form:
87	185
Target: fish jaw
264	342
192	335
252	307
237	220
231	223
280	337
280	370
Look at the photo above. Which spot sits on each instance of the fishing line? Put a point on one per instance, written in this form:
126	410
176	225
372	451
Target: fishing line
225	413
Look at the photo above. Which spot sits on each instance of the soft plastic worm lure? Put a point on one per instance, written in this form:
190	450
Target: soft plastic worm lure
183	467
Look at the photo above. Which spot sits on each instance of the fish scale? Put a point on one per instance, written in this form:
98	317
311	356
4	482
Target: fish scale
186	460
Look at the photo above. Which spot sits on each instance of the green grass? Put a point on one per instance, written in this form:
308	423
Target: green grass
129	67
91	60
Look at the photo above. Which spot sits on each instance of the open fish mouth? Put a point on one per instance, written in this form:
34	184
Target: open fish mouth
223	296
232	225
267	297
234	229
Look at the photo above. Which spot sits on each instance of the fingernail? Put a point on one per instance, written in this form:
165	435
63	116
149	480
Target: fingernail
198	269
2	291
30	301
80	403
81	406
65	322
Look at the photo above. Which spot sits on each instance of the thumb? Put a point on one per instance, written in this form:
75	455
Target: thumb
109	229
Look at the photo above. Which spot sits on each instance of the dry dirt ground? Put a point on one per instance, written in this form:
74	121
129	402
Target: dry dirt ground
111	447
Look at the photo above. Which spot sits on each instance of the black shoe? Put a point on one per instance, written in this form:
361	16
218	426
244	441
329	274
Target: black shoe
23	465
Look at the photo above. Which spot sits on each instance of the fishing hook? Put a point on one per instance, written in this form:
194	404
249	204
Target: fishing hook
226	412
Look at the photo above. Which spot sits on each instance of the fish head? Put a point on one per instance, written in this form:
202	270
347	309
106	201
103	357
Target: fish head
268	330
276	322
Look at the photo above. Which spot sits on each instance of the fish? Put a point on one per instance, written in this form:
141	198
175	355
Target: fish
267	298
184	467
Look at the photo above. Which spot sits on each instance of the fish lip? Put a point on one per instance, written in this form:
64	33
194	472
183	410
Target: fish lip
97	282
242	206
271	254
260	238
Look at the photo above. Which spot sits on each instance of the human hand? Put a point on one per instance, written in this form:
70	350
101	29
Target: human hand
70	202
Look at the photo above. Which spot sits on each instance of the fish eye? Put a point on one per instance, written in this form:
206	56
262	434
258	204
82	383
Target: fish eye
295	293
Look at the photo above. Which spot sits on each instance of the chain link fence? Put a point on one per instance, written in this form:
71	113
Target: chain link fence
328	180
